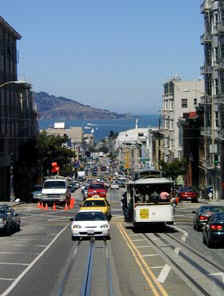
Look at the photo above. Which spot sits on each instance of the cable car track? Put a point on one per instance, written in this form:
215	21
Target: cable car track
90	266
189	263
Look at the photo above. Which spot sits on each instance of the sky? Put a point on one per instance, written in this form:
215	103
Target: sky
113	55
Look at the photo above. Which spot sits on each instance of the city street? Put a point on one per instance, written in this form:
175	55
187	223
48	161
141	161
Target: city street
42	259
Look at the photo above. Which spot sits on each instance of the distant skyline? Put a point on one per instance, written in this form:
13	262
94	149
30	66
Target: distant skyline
114	55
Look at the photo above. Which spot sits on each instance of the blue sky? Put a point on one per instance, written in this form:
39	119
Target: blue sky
114	55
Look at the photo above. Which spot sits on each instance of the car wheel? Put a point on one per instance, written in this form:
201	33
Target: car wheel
203	239
196	227
194	200
8	230
210	244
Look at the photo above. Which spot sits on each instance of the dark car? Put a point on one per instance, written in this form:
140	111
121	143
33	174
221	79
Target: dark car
188	193
9	220
213	232
202	214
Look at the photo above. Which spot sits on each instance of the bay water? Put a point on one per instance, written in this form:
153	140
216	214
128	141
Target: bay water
102	128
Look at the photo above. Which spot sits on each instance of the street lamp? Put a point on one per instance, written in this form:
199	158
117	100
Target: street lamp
12	82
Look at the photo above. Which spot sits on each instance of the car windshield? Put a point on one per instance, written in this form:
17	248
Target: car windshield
219	217
187	189
54	184
96	186
90	216
94	203
218	209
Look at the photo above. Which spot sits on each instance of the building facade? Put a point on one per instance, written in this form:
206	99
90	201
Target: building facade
212	172
179	97
18	115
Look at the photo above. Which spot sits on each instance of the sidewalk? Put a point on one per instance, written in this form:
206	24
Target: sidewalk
11	203
212	201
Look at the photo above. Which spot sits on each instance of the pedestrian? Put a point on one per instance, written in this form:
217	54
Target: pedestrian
164	195
155	196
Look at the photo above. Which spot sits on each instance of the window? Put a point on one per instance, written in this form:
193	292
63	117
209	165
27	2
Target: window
217	119
195	101
184	103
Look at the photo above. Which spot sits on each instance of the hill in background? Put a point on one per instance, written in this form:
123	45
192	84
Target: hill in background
60	108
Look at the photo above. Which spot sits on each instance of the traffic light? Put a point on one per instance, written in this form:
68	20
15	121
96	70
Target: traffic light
54	167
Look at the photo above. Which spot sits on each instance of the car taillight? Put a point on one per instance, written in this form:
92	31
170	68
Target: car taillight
203	218
216	227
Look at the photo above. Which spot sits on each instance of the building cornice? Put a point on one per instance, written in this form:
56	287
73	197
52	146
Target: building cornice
9	28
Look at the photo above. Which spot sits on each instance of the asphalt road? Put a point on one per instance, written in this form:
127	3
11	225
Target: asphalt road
42	259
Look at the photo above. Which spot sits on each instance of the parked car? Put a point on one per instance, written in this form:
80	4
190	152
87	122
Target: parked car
88	223
55	189
37	192
9	220
202	214
97	189
188	193
213	232
97	203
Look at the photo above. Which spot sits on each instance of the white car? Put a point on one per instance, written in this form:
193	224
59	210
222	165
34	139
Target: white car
114	185
89	223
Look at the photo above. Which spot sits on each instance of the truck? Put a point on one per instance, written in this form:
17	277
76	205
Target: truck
55	189
141	206
81	175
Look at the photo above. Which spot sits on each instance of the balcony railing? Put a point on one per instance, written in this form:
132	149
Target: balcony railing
206	37
206	69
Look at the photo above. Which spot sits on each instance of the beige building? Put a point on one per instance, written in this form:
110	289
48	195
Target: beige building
179	97
18	114
75	133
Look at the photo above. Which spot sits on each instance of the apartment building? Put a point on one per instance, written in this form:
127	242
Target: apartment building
133	148
179	97
212	154
18	115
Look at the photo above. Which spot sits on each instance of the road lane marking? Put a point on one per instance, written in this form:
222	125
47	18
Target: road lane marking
157	267
218	274
10	253
150	255
138	240
185	233
26	270
6	279
12	263
164	273
142	247
152	282
148	280
177	250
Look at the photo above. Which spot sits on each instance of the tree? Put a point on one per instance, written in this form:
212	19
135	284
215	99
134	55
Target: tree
174	168
35	158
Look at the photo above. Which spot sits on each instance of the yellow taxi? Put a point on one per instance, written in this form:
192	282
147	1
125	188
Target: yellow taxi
97	203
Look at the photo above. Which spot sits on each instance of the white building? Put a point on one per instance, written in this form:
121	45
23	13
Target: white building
179	97
134	147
